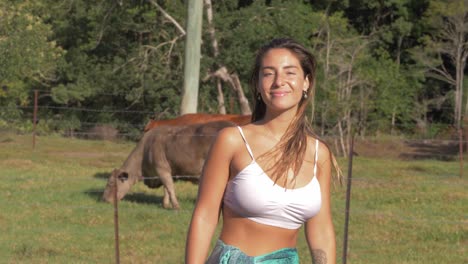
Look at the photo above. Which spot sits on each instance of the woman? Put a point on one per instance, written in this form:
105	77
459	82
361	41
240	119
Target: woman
269	177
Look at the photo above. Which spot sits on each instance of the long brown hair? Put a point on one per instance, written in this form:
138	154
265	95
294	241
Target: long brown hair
291	149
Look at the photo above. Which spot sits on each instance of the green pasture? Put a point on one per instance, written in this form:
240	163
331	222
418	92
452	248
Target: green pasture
401	211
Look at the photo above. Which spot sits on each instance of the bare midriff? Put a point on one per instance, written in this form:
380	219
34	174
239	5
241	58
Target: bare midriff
255	239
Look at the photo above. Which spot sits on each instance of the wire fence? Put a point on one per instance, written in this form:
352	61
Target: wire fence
143	117
457	145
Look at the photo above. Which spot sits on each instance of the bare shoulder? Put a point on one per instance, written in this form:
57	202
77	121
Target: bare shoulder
228	138
324	163
228	135
323	152
324	157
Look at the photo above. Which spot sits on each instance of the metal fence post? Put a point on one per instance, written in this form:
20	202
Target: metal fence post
116	223
34	119
460	144
348	200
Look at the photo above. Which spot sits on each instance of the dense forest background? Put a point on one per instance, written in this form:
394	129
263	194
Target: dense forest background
394	66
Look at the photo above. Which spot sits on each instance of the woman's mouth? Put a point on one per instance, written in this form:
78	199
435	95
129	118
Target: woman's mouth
279	94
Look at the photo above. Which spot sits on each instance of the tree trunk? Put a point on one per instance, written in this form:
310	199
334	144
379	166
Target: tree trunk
244	103
214	45
462	69
459	81
211	29
233	80
342	143
221	104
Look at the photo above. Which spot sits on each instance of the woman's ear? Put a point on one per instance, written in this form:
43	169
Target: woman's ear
306	84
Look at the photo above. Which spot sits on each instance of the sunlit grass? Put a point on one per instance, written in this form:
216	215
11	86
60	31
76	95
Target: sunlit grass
401	212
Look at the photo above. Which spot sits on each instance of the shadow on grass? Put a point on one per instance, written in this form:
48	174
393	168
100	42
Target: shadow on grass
96	194
431	149
102	175
143	198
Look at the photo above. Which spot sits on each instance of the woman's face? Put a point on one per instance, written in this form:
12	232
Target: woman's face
281	80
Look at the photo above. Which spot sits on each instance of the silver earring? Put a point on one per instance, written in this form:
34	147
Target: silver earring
304	94
259	97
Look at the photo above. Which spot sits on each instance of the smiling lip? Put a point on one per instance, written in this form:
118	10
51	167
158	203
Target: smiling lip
279	94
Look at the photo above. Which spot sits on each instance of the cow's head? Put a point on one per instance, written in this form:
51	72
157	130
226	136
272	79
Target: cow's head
120	181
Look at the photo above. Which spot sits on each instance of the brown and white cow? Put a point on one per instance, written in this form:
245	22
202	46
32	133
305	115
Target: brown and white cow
164	152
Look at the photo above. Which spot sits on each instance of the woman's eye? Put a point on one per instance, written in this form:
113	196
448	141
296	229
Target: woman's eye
291	73
267	74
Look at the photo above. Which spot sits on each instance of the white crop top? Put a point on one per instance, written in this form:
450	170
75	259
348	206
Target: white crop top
254	195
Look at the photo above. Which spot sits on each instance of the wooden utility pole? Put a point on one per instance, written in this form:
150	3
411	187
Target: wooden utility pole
192	57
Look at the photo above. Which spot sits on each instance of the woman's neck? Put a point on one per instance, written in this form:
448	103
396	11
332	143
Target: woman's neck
277	124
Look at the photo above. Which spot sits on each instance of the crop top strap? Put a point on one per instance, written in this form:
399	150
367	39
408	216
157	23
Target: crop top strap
316	156
246	143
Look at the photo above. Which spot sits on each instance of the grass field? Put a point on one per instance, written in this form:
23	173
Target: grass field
401	211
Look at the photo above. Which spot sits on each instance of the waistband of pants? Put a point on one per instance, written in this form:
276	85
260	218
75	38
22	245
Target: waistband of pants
227	254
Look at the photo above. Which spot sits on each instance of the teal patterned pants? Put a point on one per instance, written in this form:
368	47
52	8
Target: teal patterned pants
226	254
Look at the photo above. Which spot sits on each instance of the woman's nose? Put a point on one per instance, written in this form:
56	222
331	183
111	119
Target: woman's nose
279	81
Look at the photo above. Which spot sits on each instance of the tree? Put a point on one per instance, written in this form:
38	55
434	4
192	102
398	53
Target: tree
446	47
120	55
222	73
215	51
28	57
128	55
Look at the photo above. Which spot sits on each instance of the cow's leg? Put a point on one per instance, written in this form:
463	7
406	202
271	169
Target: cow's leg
166	201
169	189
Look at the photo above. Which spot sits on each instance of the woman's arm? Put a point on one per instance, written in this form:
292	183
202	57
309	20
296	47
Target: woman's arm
210	194
319	230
